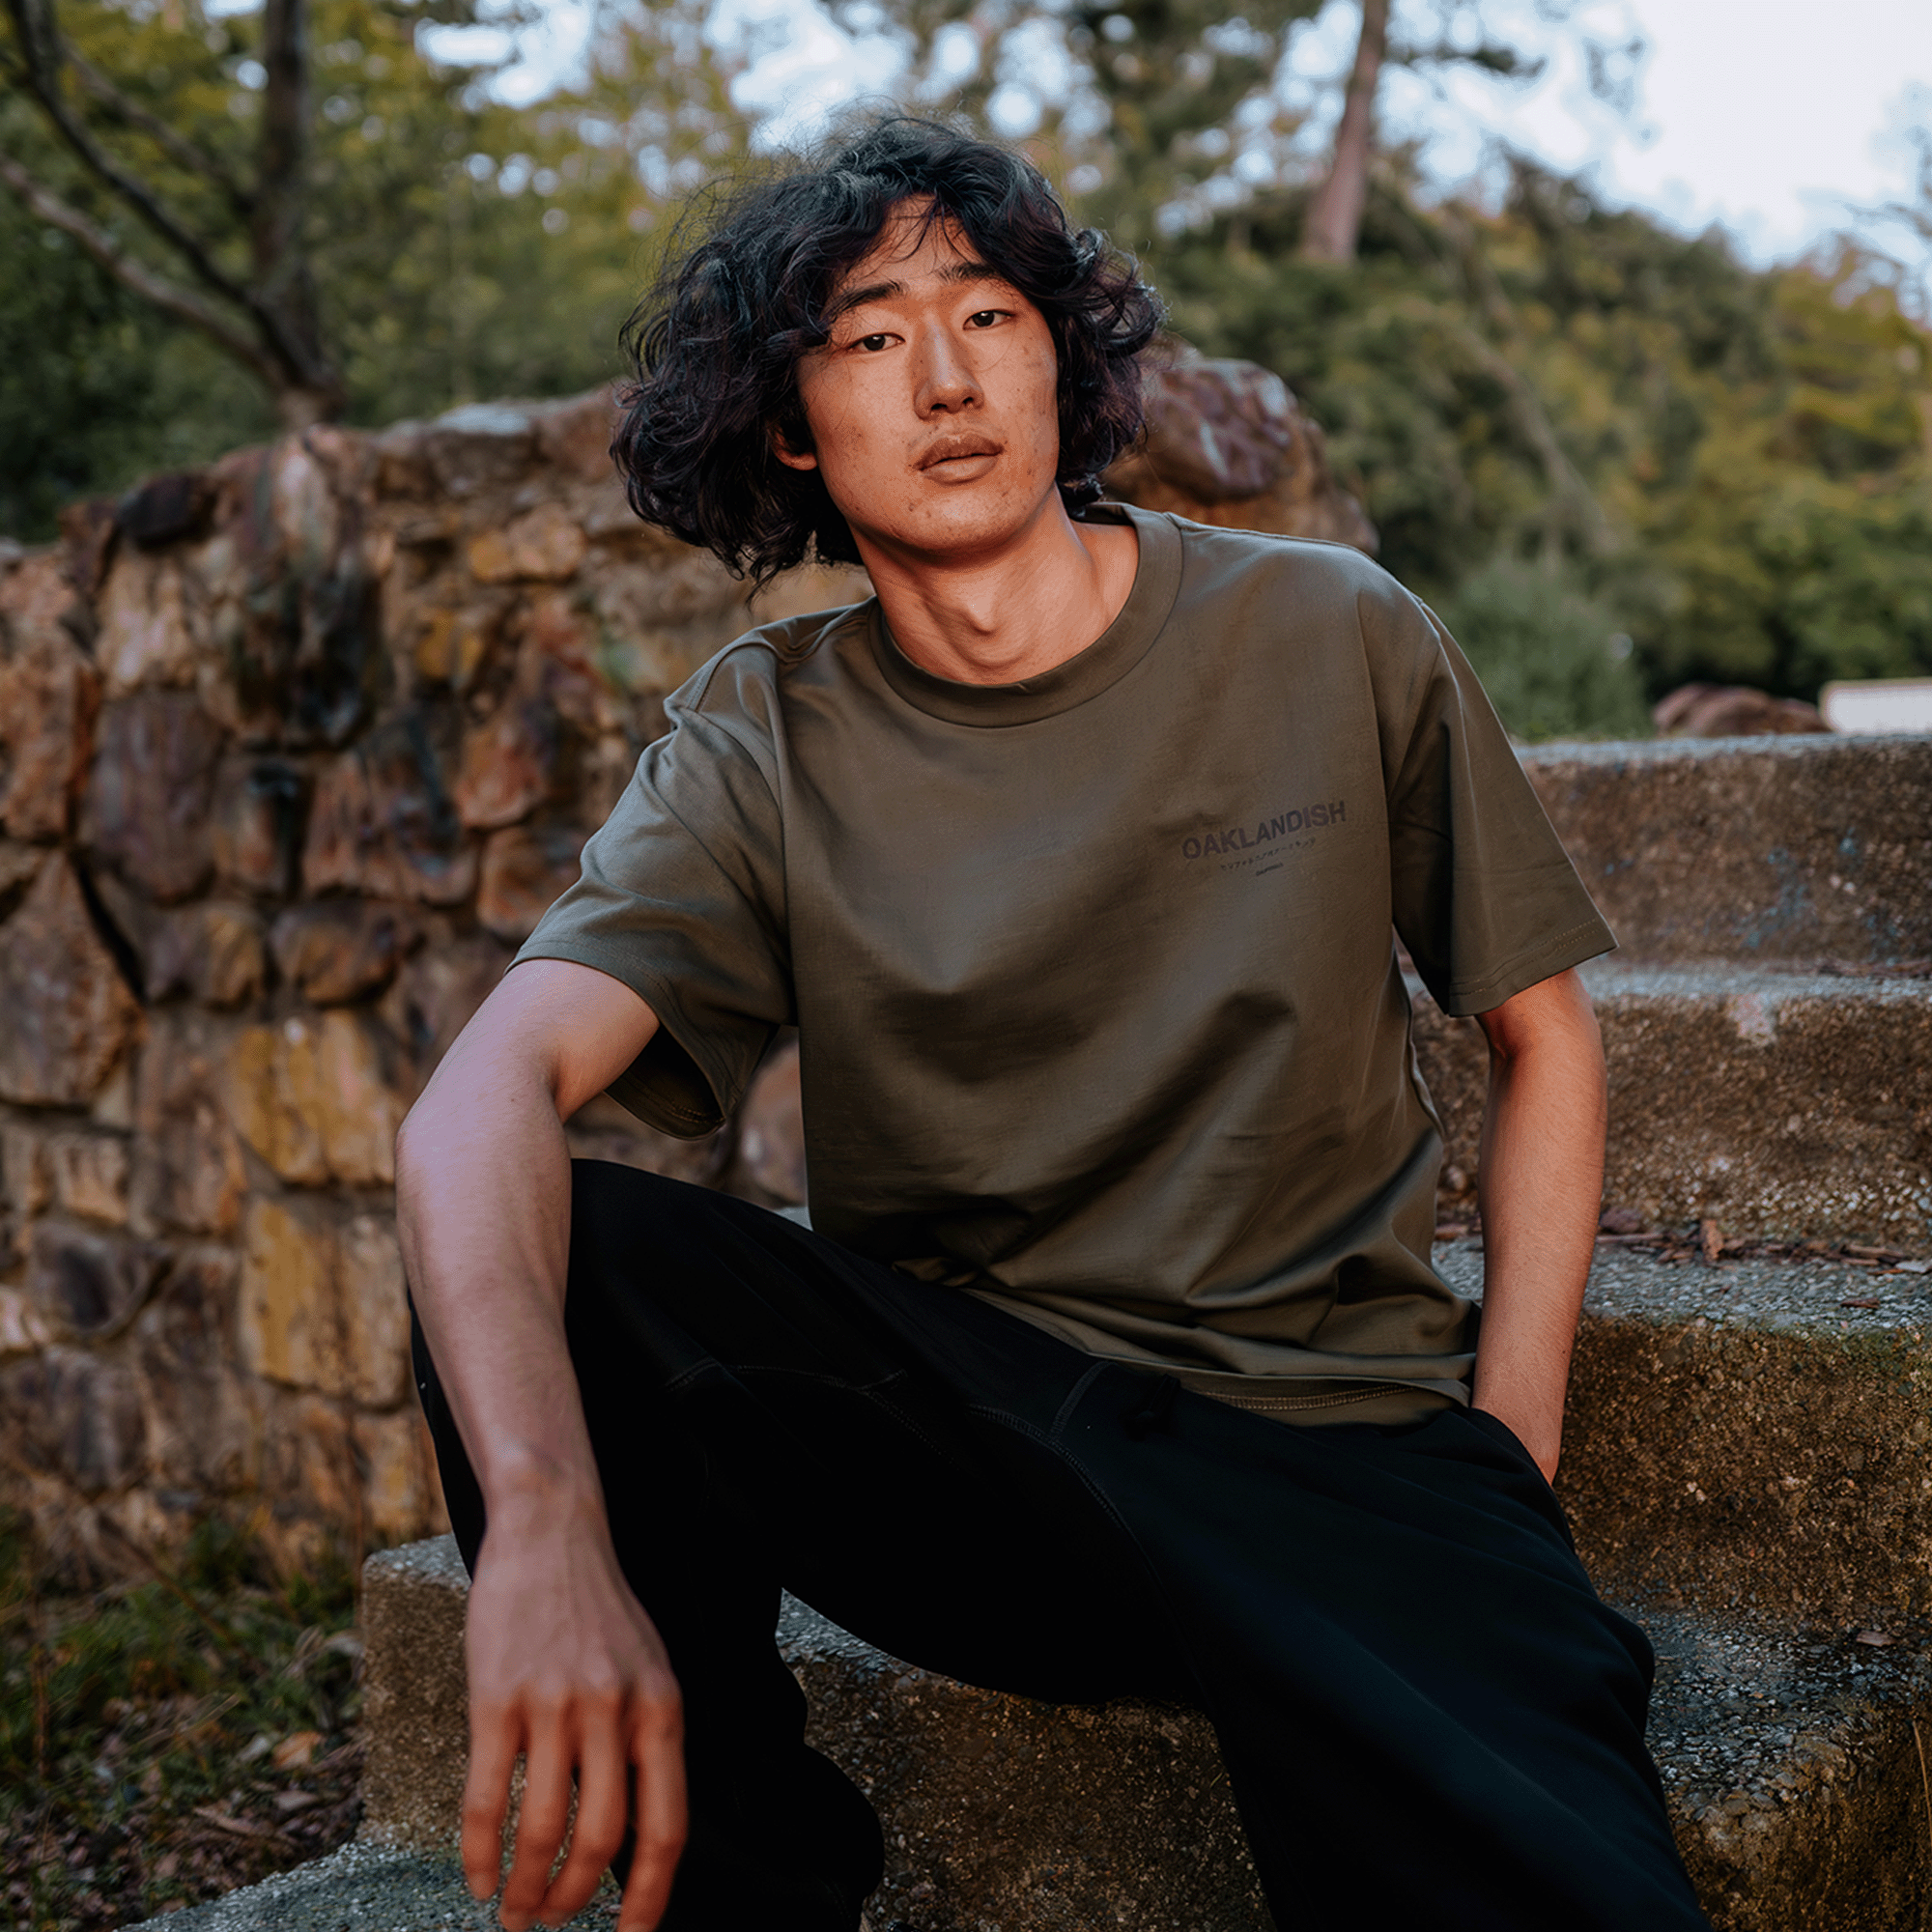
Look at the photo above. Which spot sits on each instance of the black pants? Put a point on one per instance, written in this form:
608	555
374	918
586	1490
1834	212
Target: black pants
1428	1716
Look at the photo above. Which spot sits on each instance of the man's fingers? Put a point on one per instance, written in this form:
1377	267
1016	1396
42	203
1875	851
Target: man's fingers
602	1798
657	1748
541	1822
494	1742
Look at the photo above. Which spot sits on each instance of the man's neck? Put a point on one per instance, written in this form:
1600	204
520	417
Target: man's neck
1005	616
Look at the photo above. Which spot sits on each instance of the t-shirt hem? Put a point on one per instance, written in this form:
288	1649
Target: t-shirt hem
1557	954
645	1099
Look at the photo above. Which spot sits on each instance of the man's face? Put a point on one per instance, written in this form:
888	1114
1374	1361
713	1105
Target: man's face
933	407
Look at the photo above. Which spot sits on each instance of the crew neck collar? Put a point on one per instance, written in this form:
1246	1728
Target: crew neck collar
1104	661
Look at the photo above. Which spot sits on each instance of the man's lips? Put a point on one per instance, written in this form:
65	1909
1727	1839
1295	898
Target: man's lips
958	448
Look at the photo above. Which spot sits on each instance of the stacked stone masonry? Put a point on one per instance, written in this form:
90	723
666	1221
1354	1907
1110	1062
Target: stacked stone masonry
293	751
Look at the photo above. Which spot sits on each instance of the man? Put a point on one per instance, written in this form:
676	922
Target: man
1113	1362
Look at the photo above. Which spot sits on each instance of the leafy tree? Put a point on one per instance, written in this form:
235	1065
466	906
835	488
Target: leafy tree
458	246
1550	655
224	240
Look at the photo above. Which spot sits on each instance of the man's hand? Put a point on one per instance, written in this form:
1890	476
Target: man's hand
1541	1185
565	1668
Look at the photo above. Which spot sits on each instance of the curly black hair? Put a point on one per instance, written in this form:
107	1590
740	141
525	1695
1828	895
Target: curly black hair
716	342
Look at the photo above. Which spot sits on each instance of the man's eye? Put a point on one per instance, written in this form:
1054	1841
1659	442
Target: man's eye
872	344
984	319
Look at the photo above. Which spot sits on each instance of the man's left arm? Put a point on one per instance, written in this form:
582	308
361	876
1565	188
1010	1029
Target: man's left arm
1540	1186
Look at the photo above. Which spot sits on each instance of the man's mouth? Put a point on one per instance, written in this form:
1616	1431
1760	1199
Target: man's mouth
957	449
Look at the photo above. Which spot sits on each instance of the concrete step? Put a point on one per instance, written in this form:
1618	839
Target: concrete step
1791	1766
1781	1106
1802	849
1740	1438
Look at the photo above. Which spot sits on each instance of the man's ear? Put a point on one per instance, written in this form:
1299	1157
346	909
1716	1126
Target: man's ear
792	459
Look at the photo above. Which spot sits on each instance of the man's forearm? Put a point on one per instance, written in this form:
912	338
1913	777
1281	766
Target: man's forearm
1541	1187
565	1668
483	1214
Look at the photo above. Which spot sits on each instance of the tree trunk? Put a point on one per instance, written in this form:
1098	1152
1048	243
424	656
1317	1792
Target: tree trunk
311	390
1335	214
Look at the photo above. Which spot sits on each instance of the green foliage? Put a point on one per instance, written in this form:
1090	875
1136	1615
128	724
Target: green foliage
465	248
1551	656
138	1727
1734	462
1732	466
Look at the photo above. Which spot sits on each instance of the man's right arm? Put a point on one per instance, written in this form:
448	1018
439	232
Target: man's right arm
564	1665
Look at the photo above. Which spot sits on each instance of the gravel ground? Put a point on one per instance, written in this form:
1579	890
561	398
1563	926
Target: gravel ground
1801	1297
362	1888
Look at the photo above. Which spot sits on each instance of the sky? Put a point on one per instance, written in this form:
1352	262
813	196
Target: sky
1778	118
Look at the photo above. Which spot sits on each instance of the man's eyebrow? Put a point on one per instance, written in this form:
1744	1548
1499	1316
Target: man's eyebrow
872	292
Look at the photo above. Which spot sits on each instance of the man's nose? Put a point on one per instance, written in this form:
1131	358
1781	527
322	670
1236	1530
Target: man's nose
945	380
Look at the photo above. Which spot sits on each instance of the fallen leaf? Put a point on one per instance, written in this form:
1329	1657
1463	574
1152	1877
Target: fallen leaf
1712	1238
294	1751
294	1800
1859	1302
240	1828
1878	1640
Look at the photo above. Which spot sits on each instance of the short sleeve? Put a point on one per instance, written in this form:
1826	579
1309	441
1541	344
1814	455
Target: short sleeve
682	897
1484	897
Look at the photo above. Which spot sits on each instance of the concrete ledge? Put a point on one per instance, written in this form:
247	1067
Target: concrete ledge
1035	1817
1790	1764
1781	1106
415	1696
1792	1770
1761	849
1736	1439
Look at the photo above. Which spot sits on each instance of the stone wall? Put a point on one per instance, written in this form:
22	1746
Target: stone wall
293	751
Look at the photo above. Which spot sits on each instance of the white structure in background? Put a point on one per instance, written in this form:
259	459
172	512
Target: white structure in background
1869	706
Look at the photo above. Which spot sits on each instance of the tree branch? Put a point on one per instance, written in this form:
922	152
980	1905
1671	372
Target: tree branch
166	295
175	145
293	360
45	54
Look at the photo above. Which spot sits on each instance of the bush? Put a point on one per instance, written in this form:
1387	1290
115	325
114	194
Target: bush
1554	659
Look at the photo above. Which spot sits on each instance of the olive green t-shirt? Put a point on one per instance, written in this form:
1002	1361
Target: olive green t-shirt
1099	1012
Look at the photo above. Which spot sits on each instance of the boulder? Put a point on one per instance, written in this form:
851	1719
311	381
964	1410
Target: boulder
1732	711
147	633
771	1131
1227	442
